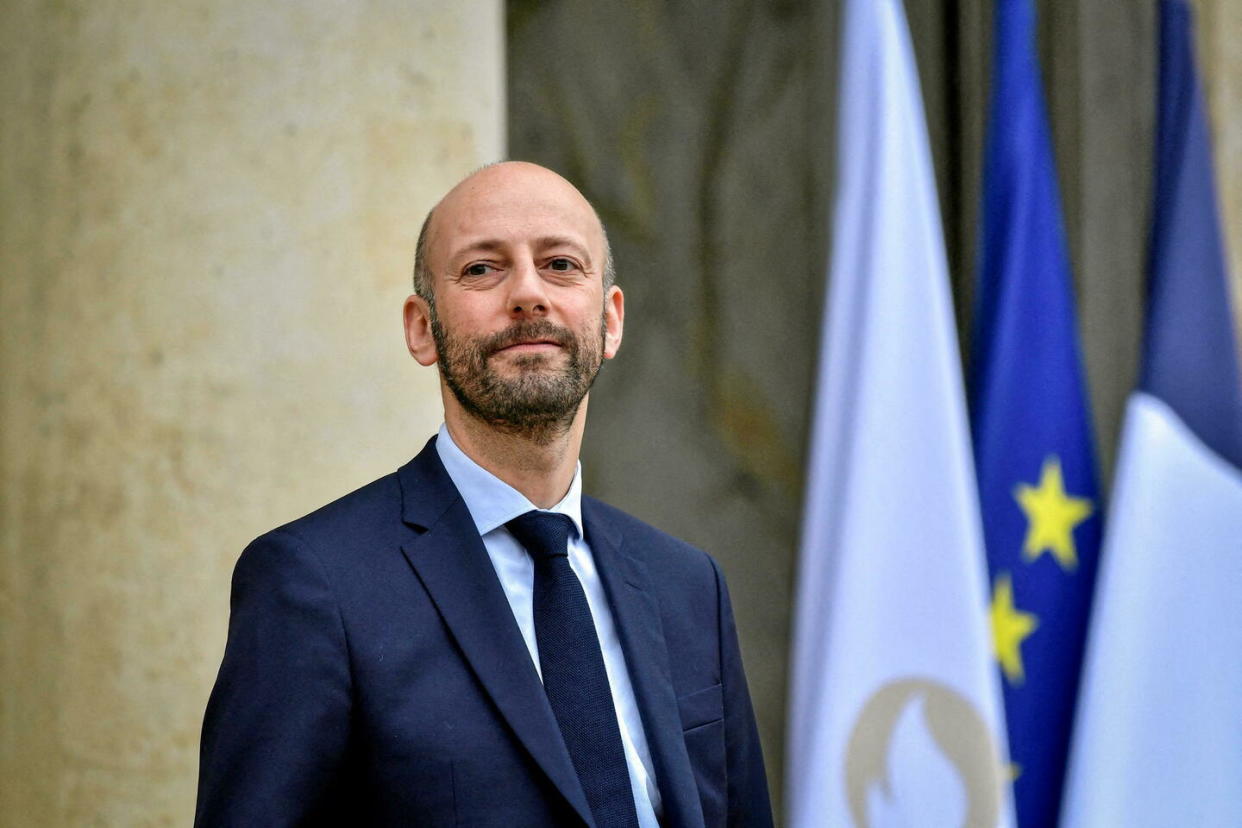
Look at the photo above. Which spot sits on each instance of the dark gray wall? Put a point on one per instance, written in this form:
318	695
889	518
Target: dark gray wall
703	132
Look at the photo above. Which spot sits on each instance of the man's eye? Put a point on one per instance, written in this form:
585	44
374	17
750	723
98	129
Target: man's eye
561	264
477	269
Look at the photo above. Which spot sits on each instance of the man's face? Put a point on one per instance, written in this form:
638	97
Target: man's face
521	322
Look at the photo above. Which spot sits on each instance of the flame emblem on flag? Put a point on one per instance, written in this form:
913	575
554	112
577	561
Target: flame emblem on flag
890	746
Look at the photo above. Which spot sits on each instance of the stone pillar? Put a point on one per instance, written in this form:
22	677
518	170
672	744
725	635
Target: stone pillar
209	213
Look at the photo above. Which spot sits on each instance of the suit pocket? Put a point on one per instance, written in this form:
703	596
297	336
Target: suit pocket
701	707
702	724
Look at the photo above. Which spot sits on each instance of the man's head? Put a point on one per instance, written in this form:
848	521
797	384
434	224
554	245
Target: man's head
513	298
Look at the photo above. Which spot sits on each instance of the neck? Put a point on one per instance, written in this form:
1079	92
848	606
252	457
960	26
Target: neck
540	466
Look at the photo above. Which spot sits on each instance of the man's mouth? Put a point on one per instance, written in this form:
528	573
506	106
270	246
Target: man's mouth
531	346
530	340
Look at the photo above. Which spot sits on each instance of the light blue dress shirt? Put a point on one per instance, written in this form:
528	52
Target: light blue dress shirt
493	503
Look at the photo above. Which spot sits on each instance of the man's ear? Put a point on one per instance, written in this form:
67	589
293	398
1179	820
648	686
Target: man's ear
418	337
614	320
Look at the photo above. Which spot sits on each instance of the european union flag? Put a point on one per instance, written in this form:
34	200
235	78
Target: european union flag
1031	428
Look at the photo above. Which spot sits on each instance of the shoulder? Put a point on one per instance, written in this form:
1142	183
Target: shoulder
375	515
360	515
356	529
663	554
348	551
630	528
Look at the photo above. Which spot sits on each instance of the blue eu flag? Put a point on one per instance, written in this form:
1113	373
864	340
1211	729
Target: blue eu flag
1031	428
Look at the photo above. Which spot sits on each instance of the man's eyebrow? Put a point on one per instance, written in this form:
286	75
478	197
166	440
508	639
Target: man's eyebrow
543	242
490	245
562	241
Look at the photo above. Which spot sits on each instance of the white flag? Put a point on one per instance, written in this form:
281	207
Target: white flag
895	714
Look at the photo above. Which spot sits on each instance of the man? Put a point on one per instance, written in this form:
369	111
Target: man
470	641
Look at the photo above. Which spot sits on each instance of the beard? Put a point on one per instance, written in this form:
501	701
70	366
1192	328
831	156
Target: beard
540	399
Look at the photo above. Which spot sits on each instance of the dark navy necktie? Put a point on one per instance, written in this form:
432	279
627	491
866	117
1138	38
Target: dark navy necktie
573	670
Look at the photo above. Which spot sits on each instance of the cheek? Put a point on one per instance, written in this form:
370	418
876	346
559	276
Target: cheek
467	319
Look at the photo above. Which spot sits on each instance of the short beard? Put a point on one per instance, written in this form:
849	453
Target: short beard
538	404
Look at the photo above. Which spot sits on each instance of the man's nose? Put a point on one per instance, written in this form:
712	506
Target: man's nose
527	290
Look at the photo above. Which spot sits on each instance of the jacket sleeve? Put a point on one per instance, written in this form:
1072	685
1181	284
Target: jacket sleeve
277	723
749	803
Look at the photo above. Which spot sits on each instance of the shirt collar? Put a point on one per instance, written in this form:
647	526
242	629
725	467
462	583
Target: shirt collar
491	501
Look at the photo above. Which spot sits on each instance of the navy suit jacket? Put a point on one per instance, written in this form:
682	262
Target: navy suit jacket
374	675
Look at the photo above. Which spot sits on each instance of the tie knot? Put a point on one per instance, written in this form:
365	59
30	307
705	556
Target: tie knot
544	534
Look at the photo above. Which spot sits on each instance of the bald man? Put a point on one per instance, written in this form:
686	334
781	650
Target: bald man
471	640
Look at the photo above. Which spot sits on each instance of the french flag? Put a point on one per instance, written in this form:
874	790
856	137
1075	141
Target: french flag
1159	733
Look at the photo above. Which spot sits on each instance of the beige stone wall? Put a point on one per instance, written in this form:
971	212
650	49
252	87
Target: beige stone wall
1220	58
207	216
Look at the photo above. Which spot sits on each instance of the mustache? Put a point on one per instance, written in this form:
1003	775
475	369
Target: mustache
526	331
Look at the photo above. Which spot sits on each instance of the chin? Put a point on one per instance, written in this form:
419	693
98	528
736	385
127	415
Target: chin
528	362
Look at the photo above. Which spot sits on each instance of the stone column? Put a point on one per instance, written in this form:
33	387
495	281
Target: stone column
208	220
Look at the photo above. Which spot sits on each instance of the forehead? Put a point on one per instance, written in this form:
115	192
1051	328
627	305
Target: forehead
513	207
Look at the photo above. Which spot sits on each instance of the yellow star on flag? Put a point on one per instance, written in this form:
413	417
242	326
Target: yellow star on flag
1051	515
1010	627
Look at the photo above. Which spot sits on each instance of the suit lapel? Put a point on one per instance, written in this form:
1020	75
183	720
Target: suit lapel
637	615
452	563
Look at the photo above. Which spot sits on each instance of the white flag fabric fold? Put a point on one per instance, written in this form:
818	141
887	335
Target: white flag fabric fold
894	710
